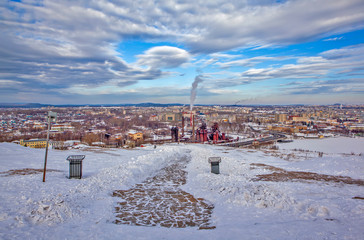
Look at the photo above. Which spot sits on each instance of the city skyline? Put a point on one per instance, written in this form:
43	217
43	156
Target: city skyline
246	52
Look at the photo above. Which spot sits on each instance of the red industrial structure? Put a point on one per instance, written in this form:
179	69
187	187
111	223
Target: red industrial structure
201	134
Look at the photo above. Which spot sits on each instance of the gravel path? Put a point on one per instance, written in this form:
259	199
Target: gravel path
159	201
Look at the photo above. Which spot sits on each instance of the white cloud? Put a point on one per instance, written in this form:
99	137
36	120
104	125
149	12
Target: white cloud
340	63
111	88
346	53
249	62
333	39
314	66
277	24
163	57
224	91
352	86
8	83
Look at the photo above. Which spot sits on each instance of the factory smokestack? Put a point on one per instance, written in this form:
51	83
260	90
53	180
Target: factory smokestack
194	90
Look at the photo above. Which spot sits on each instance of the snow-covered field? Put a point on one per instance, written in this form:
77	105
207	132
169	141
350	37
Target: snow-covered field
328	145
246	206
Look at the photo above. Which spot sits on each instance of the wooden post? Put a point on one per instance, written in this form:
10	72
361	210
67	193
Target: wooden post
46	152
51	117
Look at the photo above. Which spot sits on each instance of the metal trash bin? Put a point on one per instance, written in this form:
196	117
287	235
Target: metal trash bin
75	165
215	167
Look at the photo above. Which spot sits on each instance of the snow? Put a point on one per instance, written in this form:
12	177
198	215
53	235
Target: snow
328	145
245	208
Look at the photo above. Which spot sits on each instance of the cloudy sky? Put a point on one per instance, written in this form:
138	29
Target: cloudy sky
133	51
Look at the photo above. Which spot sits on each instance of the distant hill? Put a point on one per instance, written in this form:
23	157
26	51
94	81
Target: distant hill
39	105
23	105
148	104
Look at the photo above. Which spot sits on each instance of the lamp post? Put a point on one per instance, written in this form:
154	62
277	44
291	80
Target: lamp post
52	116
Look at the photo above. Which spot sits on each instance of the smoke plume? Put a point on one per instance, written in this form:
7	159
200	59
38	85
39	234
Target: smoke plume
195	83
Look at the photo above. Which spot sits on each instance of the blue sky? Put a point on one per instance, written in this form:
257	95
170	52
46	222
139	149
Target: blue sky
133	51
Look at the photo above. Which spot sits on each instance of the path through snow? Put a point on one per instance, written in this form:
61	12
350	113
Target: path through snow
160	201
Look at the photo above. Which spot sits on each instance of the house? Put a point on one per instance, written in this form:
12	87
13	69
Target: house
281	117
172	117
153	118
62	127
34	143
98	144
135	136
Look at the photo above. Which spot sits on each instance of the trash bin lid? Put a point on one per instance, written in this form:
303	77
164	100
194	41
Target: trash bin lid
75	157
214	159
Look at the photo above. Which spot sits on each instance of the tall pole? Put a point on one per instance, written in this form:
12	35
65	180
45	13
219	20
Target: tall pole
46	153
193	126
183	125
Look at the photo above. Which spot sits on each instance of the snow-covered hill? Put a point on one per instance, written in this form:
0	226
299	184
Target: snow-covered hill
259	194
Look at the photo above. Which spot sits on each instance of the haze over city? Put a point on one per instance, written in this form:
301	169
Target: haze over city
240	52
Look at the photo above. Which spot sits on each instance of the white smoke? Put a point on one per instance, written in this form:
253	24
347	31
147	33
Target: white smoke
195	83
